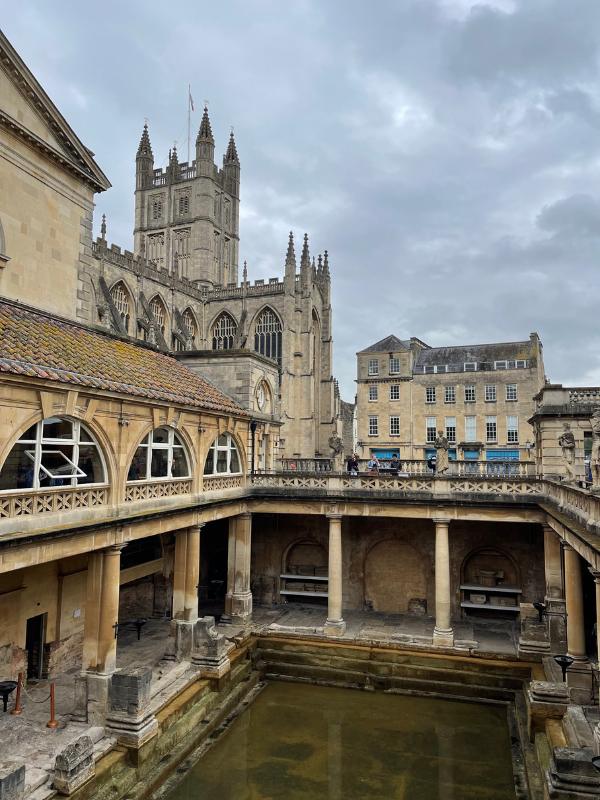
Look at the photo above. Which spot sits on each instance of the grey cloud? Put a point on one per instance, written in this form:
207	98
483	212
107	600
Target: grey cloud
578	215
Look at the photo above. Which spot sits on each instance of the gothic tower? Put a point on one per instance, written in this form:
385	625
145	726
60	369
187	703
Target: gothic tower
187	216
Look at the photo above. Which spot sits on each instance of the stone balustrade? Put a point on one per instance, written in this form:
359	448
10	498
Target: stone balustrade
63	498
148	490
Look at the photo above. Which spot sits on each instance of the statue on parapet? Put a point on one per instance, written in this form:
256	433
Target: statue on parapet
566	442
595	455
441	454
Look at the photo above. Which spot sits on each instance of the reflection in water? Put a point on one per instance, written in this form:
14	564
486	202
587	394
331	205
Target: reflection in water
303	742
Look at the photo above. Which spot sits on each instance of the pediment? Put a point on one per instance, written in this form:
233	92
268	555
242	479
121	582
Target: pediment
26	110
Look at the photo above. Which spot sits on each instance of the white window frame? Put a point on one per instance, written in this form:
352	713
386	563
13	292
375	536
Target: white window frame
373	393
430	437
521	363
394	389
373	366
490	393
470	389
512	429
502	364
449	426
173	443
489	421
470	366
450	394
217	448
511	386
430	394
394	365
373	425
470	428
395	423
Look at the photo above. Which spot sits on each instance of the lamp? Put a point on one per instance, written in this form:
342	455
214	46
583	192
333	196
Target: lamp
564	662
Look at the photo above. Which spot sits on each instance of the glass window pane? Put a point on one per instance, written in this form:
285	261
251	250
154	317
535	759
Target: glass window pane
29	435
161	436
209	466
55	428
159	464
179	467
17	471
223	439
84	436
91	464
221	460
235	460
137	470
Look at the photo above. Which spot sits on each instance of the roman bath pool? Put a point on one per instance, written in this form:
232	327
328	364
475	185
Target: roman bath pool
302	742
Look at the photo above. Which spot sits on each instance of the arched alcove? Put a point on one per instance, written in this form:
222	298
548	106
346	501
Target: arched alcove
394	576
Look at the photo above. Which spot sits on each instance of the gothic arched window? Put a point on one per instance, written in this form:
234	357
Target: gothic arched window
223	332
223	457
120	297
268	334
53	452
189	324
161	454
159	312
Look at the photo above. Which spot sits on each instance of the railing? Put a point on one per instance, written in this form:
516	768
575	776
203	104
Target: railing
28	503
147	490
467	468
317	465
213	483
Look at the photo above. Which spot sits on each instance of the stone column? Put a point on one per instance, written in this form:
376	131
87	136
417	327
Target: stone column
596	576
192	573
92	610
179	575
335	625
443	634
238	600
574	599
109	613
554	598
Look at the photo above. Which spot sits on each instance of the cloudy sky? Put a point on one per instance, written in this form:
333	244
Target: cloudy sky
445	152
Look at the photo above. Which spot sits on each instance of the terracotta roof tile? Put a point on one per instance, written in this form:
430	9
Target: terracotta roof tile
37	344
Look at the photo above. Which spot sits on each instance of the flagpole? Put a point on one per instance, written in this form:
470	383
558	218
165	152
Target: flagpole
189	115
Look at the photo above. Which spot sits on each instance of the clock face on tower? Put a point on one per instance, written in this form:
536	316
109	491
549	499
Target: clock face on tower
261	397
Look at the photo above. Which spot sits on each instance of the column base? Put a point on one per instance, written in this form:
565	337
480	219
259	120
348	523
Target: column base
184	639
334	627
579	681
443	637
98	687
238	608
132	730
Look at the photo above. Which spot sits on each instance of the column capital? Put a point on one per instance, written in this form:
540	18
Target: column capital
115	548
566	546
244	515
334	516
441	520
595	573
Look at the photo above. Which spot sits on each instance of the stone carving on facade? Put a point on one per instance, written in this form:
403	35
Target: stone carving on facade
441	455
337	449
566	442
595	457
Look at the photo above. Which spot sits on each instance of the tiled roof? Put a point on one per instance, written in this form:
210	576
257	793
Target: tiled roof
497	351
39	345
388	345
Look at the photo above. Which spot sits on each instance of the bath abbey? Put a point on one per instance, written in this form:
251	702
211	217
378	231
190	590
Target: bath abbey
217	577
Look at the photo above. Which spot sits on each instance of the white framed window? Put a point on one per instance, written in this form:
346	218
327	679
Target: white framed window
428	369
450	426
500	364
521	363
223	457
491	429
490	393
441	368
373	368
512	429
430	429
161	454
430	394
511	391
53	452
373	393
373	425
450	394
470	393
470	366
394	365
395	391
470	428
395	425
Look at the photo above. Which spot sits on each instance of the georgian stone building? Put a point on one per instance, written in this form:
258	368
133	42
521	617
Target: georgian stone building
480	397
179	290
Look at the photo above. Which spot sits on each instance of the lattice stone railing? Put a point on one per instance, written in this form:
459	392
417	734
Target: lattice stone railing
149	490
213	483
28	503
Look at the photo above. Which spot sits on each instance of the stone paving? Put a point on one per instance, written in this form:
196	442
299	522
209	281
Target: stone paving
26	737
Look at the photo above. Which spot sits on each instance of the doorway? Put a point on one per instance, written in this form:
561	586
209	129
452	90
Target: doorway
213	568
34	645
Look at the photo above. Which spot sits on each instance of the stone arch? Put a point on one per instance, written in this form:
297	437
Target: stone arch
223	331
490	564
190	321
160	313
304	552
122	297
267	327
394	576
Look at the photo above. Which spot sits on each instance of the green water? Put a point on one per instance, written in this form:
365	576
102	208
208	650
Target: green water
299	742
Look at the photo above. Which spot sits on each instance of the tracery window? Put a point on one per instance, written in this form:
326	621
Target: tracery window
184	205
189	324
157	208
159	312
160	455
224	332
268	335
223	457
53	452
120	297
